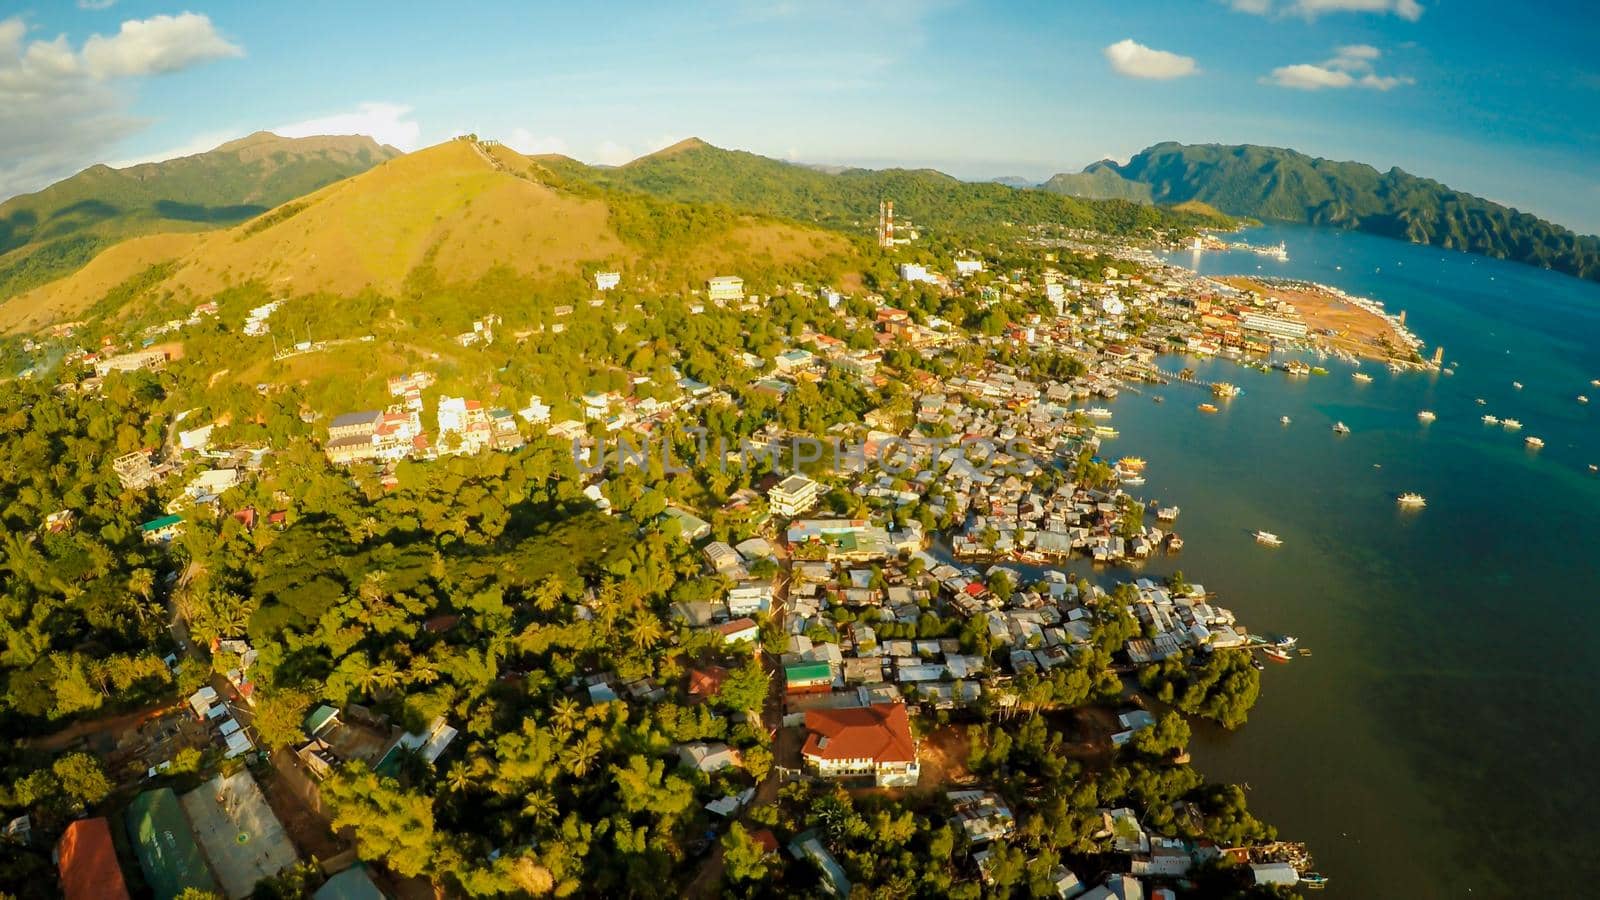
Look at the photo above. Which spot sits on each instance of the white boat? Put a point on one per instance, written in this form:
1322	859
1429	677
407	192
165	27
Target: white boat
1511	424
1412	499
1341	428
1283	419
1517	385
1482	401
1594	382
1427	415
1167	513
1490	420
1582	399
1533	442
1268	538
1098	412
1362	377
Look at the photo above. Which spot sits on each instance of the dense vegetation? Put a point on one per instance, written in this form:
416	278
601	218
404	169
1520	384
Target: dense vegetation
696	171
53	232
1272	183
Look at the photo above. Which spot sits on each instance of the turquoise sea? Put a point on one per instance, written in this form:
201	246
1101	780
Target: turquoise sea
1442	740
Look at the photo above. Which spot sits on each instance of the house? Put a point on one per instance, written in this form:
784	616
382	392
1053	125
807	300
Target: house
808	677
914	272
872	741
793	496
605	281
749	598
162	530
738	631
131	362
690	526
724	288
708	757
721	557
356	424
87	860
982	815
706	682
1274	873
969	266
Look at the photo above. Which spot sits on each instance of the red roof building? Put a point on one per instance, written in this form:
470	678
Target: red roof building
88	862
706	682
871	741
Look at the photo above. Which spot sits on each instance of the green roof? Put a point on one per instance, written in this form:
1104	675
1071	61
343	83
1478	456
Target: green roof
167	851
319	717
808	671
158	524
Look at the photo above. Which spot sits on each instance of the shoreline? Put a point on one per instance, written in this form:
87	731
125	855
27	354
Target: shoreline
1339	321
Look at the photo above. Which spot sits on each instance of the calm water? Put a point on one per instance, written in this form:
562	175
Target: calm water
1441	740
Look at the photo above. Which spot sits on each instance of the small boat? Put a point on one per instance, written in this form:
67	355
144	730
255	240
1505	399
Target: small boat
1412	499
1287	640
1533	442
1098	412
1427	415
1131	463
1482	401
1594	468
1582	399
1283	419
1517	385
1362	377
1158	399
1207	408
1224	389
1594	382
1303	652
1257	664
1174	542
1314	880
1268	538
1511	424
1341	428
1167	513
1133	480
1490	420
1274	654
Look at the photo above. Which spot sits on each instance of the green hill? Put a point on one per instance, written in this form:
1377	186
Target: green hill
1273	183
695	171
54	232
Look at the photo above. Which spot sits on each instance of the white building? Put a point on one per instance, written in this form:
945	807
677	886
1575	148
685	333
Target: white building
1277	326
605	281
793	496
915	272
1112	305
969	266
724	288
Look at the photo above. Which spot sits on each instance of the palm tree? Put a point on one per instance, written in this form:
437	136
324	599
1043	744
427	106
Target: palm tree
647	631
540	806
581	757
459	776
565	714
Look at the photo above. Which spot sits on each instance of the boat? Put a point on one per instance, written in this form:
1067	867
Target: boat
1224	389
1533	442
1167	513
1131	463
1594	468
1594	382
1257	664
1341	428
1511	424
1314	880
1517	385
1303	652
1427	415
1207	408
1582	399
1287	640
1283	419
1274	654
1133	480
1362	377
1410	498
1268	538
1482	401
1158	399
1098	412
1174	542
1490	420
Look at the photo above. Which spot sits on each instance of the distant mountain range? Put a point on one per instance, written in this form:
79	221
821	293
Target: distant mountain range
696	172
53	232
1273	183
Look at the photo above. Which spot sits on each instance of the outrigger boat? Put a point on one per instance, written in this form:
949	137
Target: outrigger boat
1341	428
1412	499
1427	415
1274	654
1268	538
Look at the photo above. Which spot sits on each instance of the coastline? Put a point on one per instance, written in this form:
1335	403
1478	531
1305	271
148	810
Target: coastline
1340	322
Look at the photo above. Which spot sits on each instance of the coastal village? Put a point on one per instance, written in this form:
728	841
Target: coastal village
885	635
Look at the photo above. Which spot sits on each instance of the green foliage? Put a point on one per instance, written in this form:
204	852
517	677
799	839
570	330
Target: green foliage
1271	183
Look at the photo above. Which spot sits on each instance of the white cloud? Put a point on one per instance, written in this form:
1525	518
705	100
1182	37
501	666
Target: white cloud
1135	60
527	143
1410	10
96	4
1351	66
155	45
62	108
386	123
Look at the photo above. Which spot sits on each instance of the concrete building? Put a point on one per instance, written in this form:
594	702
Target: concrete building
725	288
866	742
793	496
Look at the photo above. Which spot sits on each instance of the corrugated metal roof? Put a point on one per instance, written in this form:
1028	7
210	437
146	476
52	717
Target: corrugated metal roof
168	854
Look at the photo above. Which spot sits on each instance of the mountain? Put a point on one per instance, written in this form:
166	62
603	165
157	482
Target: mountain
416	225
50	233
1274	183
697	172
1015	181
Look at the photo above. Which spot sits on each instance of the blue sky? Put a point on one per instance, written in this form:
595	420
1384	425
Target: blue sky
1498	99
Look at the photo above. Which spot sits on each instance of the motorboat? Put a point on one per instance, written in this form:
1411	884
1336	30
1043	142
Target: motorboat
1268	538
1412	499
1341	428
